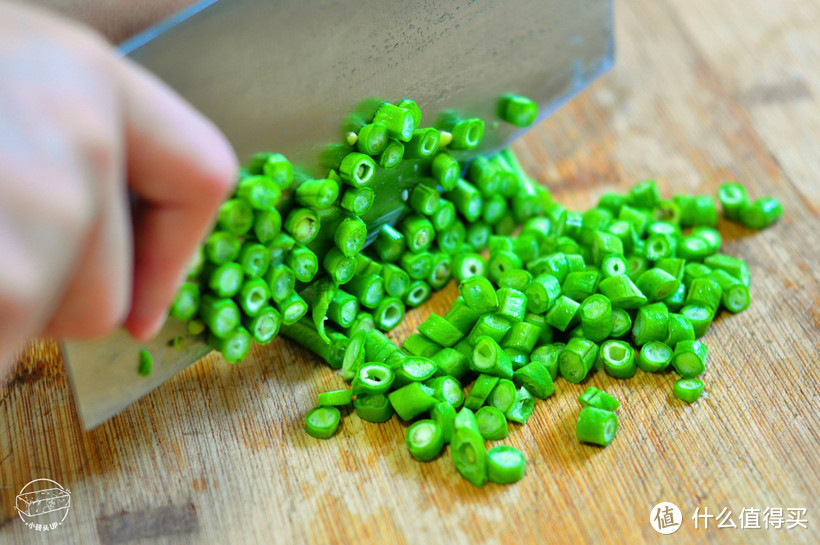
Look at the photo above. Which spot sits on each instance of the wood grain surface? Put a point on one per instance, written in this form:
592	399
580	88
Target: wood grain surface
703	91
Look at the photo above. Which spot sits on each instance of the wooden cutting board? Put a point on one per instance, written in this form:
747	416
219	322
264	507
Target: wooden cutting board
702	92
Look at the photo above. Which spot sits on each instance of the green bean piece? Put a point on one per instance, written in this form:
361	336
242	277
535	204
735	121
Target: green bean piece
518	110
577	358
281	282
373	378
363	322
636	265
694	270
292	309
480	391
222	316
411	107
279	248
699	316
447	388
372	139
594	397
518	279
478	294
596	426
424	440
275	166
392	155
467	200
441	271
302	224
235	216
689	359
654	357
419	345
264	326
424	199
477	235
340	267
522	336
324	291
350	236
489	358
613	265
492	325
618	359
467	134
424	143
358	200
605	244
733	199
674	266
356	169
388	313
412	400
500	243
439	330
536	378
644	194
686	204
688	389
621	323
466	420
562	312
335	398
512	304
396	281
675	301
492	424
146	363
445	170
596	317
186	302
354	356
222	247
451	239
706	292
260	192
522	408
368	289
518	358
443	217
413	369
234	346
693	248
417	265
444	414
503	395
418	292
254	258
468	265
318	194
462	316
501	262
505	465
469	455
734	295
637	218
322	422
657	284
398	121
253	296
495	209
547	355
303	262
622	292
373	408
711	236
732	265
705	211
542	293
450	362
660	246
680	329
651	324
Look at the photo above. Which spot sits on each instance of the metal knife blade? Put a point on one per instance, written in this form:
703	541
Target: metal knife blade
283	76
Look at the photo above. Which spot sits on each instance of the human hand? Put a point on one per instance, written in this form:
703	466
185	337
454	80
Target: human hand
79	127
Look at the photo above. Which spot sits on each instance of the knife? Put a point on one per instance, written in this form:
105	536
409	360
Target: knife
283	76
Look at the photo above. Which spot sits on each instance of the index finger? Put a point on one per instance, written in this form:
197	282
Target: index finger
181	168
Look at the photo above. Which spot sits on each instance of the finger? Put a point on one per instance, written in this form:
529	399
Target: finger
181	168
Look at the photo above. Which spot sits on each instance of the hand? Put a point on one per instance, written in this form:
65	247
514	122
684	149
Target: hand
79	127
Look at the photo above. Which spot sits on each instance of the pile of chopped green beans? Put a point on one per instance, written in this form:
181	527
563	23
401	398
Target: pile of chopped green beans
630	284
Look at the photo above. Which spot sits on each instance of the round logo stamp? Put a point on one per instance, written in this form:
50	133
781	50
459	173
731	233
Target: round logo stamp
43	504
665	518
